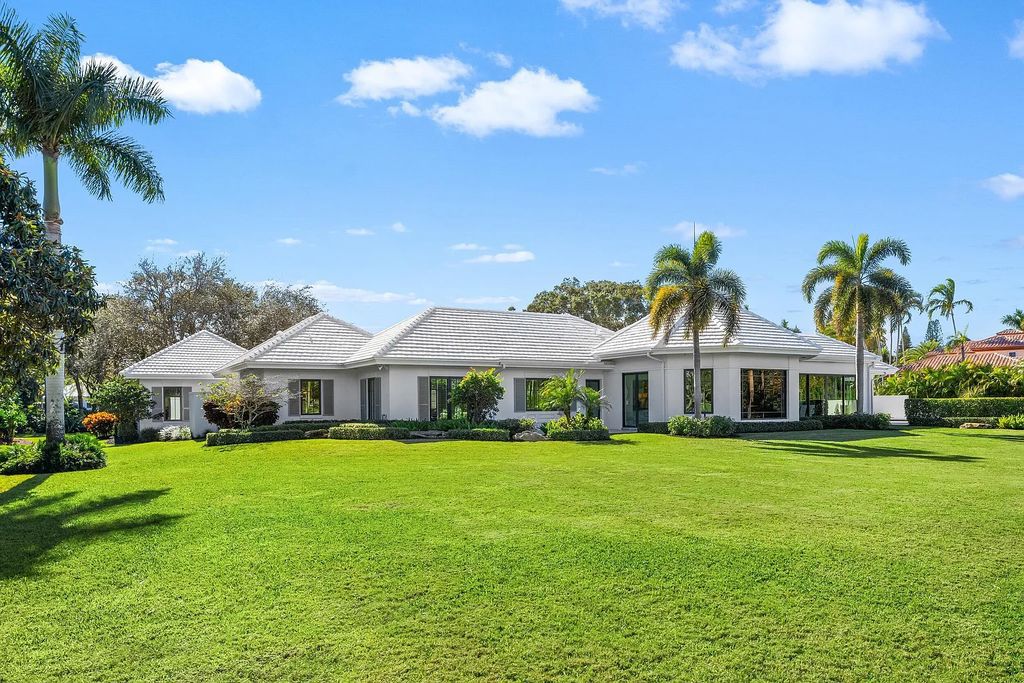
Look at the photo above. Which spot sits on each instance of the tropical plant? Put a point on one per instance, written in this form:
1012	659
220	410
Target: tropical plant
1015	320
899	317
562	393
128	400
248	400
686	289
860	288
12	418
942	300
100	424
55	103
915	353
594	401
958	380
478	394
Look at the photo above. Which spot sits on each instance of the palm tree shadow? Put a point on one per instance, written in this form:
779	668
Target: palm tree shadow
31	526
839	449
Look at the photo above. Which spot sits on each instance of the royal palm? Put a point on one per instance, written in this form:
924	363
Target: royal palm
687	289
942	300
67	109
860	289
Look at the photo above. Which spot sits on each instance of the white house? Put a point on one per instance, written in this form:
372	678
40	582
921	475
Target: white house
333	369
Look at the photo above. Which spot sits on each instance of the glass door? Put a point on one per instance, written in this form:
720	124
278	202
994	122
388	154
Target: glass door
635	397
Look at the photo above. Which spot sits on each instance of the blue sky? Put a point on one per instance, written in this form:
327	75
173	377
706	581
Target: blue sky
566	137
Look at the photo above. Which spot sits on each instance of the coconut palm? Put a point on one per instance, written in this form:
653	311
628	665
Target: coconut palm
1015	320
860	289
942	300
563	393
915	353
54	103
901	315
687	289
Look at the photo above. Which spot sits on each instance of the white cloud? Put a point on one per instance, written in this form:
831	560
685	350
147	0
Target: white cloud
163	241
1008	186
626	169
520	256
188	253
468	246
501	59
512	247
733	6
398	226
197	86
329	292
529	102
483	300
289	241
404	107
160	245
721	230
646	13
359	232
1017	42
619	264
403	78
802	37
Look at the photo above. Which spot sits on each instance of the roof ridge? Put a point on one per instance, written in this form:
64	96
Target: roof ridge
621	331
401	333
275	340
169	348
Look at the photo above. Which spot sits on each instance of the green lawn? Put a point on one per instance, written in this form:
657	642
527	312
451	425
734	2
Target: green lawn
821	556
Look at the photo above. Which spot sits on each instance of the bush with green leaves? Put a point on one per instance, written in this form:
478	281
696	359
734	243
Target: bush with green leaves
932	411
148	434
563	393
175	433
127	399
513	425
805	425
364	432
430	425
578	427
77	452
652	427
711	427
227	437
316	433
20	459
478	434
856	421
12	419
1011	422
478	394
959	380
244	401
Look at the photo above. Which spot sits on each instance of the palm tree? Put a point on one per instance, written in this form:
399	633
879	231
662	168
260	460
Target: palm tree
685	288
915	353
901	315
861	288
942	299
1015	320
563	393
53	103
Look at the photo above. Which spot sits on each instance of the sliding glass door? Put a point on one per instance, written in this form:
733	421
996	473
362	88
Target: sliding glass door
635	396
827	395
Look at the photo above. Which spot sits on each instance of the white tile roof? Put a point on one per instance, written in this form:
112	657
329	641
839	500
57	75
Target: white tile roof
834	349
755	334
319	340
474	335
198	354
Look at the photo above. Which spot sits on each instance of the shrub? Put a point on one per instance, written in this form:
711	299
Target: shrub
577	422
12	419
580	435
363	431
226	437
856	421
175	433
128	400
301	425
479	434
82	452
244	402
77	452
711	427
806	425
427	425
20	459
958	380
149	434
100	424
1011	422
652	427
562	393
478	394
929	411
514	425
267	415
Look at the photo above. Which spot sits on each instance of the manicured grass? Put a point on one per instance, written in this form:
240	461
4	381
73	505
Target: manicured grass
815	556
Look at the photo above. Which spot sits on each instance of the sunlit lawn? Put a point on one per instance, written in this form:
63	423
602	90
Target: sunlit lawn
822	556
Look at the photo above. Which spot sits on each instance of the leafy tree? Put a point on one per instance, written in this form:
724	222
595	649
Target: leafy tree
900	316
915	353
860	288
54	103
12	418
128	400
934	332
563	393
942	300
687	289
1014	320
791	328
478	394
247	400
603	302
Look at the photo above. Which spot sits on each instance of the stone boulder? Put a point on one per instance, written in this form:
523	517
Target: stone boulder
427	434
976	425
532	435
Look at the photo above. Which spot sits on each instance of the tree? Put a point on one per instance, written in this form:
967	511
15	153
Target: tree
792	328
603	302
1015	320
860	289
915	353
900	316
54	103
594	401
942	300
247	400
478	394
12	418
562	393
687	289
934	332
128	400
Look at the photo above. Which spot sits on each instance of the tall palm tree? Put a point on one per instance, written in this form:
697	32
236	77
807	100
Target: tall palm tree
942	300
901	315
686	288
860	289
53	103
1015	320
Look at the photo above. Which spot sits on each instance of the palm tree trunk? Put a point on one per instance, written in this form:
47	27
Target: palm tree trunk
963	353
54	384
698	392
860	358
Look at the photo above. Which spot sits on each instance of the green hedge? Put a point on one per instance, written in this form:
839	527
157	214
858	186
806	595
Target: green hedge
301	425
483	434
78	452
710	427
930	411
1011	422
856	421
227	437
580	435
359	431
652	427
317	434
782	426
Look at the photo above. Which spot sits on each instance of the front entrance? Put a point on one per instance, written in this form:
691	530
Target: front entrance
635	395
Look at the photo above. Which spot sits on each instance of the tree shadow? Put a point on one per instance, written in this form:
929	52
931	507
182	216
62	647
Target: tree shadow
32	525
829	435
839	449
988	434
618	440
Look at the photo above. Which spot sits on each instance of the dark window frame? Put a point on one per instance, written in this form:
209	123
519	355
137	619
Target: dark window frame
594	384
167	403
445	383
305	401
805	391
707	388
531	387
762	414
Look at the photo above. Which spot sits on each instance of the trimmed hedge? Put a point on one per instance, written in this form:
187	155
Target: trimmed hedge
782	426
365	432
480	434
580	435
652	427
301	425
317	434
929	411
856	421
78	452
227	437
710	427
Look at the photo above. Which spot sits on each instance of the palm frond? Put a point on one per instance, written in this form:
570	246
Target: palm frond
819	275
885	248
130	162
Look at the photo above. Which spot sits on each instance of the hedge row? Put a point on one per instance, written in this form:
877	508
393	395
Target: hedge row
358	431
652	428
856	421
485	434
784	426
580	435
930	411
227	437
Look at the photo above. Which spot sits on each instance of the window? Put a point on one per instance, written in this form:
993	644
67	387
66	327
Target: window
309	397
827	395
762	394
594	384
533	385
635	397
441	406
707	379
172	403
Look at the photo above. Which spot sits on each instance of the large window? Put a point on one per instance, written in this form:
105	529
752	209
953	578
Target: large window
762	394
441	406
594	384
707	384
309	393
173	404
533	385
827	395
635	399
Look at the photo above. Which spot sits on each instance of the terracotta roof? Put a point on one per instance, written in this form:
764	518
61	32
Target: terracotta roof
942	359
1007	339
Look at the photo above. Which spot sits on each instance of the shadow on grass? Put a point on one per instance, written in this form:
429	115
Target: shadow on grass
829	435
32	525
840	449
616	440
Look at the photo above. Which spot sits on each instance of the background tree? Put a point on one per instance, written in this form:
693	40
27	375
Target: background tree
915	353
942	300
792	328
1014	320
478	394
54	103
900	316
603	302
687	288
128	400
860	289
934	332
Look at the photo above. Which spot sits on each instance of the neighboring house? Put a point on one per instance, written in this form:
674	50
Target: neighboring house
1000	350
329	368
